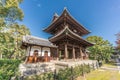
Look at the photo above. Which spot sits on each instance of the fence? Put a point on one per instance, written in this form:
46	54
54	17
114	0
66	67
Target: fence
65	74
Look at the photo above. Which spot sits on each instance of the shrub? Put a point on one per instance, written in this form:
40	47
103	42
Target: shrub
8	68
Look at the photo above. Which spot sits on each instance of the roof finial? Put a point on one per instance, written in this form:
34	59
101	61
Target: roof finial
65	8
55	14
55	17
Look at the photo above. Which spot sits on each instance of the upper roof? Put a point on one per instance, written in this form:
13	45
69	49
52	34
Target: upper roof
66	32
31	40
55	17
66	17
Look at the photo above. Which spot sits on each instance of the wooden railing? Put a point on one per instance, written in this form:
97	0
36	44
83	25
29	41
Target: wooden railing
34	59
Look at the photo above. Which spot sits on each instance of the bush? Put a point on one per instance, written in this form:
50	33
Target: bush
8	68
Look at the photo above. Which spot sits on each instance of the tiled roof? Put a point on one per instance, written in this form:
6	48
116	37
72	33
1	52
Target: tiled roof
37	41
79	37
66	13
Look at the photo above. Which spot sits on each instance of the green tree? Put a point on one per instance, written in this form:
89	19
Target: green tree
10	31
101	50
118	41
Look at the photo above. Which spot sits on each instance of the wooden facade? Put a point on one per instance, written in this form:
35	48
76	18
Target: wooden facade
67	35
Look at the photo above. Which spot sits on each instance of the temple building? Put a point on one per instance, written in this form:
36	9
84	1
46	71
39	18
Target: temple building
66	41
38	49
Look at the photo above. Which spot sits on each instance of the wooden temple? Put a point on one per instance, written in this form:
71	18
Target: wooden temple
67	35
67	38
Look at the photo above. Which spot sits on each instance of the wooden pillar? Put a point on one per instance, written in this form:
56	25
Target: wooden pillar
41	51
81	54
73	51
30	50
66	51
29	58
85	54
51	53
41	57
57	54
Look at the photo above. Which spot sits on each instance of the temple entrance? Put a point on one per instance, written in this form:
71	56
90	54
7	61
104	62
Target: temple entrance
46	58
46	53
70	55
62	54
35	55
77	53
34	58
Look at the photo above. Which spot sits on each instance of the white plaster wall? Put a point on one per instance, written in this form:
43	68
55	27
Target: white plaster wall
35	48
27	52
45	49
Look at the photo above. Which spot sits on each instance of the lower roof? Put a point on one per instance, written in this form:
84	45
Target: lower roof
32	40
66	32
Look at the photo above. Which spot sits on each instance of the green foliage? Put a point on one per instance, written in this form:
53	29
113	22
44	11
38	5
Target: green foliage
118	41
65	74
101	50
10	31
8	68
10	9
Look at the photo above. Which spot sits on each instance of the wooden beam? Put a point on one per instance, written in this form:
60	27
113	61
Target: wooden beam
75	45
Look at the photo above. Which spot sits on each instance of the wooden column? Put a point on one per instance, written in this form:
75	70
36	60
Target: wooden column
66	51
51	54
30	50
57	54
81	54
41	51
85	54
73	51
29	59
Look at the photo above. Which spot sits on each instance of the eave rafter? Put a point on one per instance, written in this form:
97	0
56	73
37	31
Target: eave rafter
67	33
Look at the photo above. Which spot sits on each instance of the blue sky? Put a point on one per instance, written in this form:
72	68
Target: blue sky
101	17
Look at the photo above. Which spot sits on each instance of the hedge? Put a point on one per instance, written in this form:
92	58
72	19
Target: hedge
8	68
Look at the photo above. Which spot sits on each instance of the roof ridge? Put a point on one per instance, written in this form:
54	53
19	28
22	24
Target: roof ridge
36	37
55	14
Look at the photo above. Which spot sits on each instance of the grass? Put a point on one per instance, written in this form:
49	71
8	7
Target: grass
110	65
101	74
